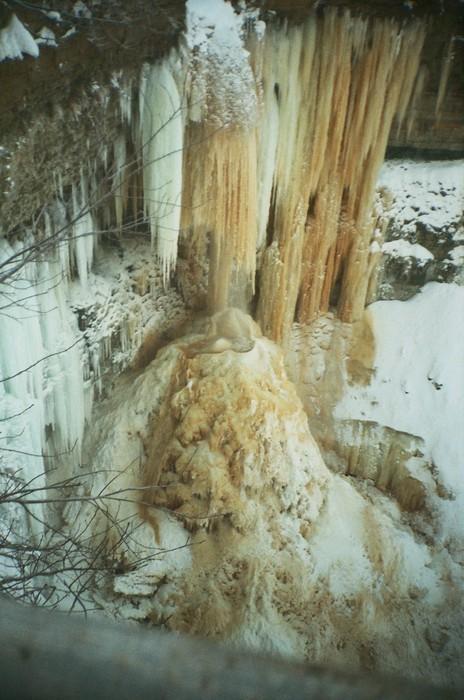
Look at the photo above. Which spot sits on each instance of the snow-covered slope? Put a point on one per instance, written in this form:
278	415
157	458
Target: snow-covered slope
418	388
268	548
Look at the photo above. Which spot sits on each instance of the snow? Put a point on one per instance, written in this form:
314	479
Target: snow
428	193
419	383
15	40
221	70
294	560
124	302
403	249
343	554
46	37
53	15
457	255
71	32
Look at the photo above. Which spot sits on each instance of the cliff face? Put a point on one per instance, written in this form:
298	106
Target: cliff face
292	482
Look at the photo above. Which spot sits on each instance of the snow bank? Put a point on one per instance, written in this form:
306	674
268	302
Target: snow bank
418	384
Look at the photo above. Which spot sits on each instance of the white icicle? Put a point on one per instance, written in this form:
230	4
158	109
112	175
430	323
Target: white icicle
84	235
119	178
162	139
41	371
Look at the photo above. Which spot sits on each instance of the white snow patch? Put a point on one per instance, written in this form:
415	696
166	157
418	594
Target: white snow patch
15	40
403	249
341	549
457	255
220	63
70	33
46	37
419	383
429	193
53	15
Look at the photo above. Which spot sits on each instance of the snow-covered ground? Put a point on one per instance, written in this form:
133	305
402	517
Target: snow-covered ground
418	385
427	193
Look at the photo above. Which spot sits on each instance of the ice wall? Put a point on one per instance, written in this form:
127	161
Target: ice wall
262	145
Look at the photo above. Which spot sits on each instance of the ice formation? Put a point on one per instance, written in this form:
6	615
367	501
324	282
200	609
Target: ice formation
319	224
162	148
283	555
223	127
42	383
258	149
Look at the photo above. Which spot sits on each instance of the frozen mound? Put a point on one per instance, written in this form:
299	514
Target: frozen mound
243	533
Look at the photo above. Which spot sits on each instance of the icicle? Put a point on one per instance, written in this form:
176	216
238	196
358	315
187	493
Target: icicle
120	180
219	201
84	234
421	80
268	135
162	139
42	370
60	185
125	103
220	197
444	76
339	82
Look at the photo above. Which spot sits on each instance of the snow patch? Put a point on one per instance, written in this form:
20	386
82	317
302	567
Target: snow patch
418	383
403	249
46	37
428	193
16	40
221	71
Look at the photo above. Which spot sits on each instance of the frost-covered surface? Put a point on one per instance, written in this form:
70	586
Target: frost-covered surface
41	371
80	9
50	372
16	40
403	249
222	81
385	400
46	37
418	386
283	556
122	305
424	203
428	194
